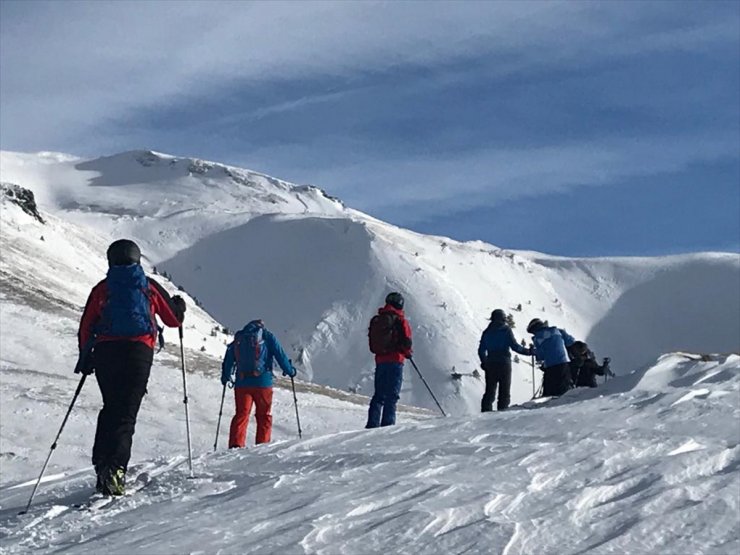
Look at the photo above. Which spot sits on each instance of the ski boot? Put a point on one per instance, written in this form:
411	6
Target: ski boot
114	481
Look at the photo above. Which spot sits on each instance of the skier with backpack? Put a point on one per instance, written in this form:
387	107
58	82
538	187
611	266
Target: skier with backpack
117	334
495	360
248	366
389	336
550	348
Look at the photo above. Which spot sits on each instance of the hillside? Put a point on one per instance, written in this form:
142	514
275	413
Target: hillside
247	245
45	275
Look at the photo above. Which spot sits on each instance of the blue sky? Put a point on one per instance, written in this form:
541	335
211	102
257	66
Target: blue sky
574	128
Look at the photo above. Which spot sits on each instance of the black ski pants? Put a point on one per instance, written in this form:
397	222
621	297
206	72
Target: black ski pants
498	374
556	380
122	370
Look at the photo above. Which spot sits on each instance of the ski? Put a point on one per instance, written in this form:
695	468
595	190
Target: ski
96	502
99	501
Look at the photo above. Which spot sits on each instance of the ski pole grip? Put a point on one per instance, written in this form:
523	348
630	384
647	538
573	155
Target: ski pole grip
179	330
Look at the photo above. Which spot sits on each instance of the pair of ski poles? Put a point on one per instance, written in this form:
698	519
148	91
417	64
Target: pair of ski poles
535	392
295	403
221	412
81	363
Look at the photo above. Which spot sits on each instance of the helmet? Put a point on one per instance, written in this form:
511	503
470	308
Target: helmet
579	347
123	252
395	299
498	315
535	324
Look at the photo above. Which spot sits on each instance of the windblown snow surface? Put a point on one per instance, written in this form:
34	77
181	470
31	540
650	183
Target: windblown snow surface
647	463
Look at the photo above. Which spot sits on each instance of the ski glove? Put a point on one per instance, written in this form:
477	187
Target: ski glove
85	364
179	303
292	372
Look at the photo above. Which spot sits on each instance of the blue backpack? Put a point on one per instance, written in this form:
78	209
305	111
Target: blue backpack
250	351
127	311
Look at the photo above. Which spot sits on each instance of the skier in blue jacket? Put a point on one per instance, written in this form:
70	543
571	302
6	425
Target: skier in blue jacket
495	360
248	365
550	349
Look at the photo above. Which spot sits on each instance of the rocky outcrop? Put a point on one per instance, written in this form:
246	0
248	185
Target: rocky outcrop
22	197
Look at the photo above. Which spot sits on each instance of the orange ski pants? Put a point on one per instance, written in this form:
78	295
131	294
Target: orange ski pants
244	397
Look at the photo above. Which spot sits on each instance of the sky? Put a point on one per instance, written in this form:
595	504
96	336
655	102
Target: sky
574	128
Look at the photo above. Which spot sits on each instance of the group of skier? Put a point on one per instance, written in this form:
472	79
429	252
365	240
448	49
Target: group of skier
117	336
118	333
565	362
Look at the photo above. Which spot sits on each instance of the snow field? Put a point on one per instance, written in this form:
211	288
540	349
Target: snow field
45	285
608	471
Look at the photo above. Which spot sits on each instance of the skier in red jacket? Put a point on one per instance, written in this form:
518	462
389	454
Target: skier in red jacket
120	328
390	341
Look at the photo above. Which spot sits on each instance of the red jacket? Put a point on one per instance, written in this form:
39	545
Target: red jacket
404	351
160	303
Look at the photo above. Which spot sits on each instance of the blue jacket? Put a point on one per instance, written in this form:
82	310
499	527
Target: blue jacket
495	343
550	346
271	350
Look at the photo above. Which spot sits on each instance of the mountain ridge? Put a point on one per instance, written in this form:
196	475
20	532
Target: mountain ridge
321	270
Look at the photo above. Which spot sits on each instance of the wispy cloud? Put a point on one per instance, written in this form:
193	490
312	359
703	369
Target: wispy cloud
442	106
416	188
68	66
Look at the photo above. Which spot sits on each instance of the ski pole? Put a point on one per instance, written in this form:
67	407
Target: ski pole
220	413
574	381
295	402
185	401
531	361
427	386
54	445
539	391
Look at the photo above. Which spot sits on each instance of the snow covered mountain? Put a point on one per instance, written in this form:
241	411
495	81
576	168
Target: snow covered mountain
247	246
650	462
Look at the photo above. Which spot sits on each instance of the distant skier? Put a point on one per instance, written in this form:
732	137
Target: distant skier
248	365
120	327
389	336
495	359
583	365
550	349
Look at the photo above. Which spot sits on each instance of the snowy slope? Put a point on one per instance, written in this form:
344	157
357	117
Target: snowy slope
46	272
251	246
648	464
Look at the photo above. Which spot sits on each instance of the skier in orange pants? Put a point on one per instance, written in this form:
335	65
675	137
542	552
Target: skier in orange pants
248	365
244	397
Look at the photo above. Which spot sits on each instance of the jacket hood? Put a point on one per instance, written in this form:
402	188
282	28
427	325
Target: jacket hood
547	331
132	275
391	308
497	325
253	326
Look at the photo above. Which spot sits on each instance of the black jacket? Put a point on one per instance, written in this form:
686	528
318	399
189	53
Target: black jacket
584	369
